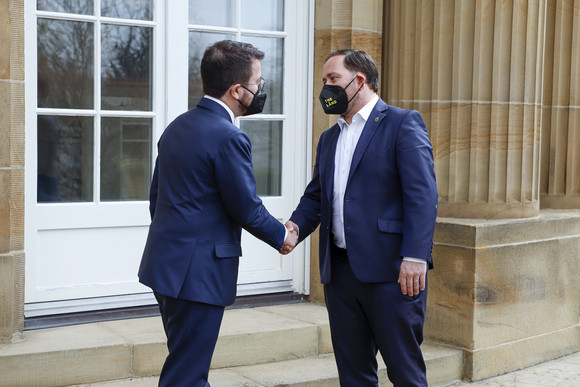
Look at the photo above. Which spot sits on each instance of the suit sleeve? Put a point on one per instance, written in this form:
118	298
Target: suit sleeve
237	187
307	214
153	190
415	164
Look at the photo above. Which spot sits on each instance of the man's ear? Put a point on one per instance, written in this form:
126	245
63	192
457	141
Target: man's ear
234	91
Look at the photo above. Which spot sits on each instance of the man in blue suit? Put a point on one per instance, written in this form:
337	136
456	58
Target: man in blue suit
373	193
203	193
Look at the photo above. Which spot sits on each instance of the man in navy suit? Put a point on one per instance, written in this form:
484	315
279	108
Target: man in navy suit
373	193
203	193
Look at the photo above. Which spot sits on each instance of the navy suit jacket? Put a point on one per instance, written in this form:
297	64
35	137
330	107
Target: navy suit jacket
390	202
202	193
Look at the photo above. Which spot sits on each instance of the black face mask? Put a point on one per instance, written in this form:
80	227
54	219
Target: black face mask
334	99
257	104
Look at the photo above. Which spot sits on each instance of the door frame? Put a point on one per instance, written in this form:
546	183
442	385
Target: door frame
36	215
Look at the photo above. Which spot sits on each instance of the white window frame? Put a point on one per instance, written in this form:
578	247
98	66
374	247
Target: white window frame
96	214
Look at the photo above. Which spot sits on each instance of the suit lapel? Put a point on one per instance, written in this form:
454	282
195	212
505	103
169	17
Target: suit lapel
327	174
375	118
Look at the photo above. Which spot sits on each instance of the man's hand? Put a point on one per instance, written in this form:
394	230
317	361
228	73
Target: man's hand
412	277
292	239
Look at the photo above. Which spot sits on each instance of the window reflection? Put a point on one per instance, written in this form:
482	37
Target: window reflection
134	9
263	15
266	138
125	158
65	159
198	43
65	62
83	7
126	82
272	70
221	13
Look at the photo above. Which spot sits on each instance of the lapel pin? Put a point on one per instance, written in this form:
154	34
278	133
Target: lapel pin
376	119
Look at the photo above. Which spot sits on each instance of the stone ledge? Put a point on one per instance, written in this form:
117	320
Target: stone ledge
478	233
501	359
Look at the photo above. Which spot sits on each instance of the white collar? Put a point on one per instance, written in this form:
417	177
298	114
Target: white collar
364	112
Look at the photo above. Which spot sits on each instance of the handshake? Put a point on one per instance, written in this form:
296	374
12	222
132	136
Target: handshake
292	238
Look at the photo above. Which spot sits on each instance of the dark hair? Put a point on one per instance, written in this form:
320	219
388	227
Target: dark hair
355	60
225	63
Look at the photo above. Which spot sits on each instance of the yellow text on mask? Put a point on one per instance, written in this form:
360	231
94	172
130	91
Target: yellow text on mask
330	101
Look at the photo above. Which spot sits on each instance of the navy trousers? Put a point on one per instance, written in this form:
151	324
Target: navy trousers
365	318
192	330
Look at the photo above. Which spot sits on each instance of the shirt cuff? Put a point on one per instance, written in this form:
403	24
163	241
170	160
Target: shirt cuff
418	260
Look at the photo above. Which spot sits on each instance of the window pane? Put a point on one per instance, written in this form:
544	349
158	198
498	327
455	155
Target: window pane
272	70
266	137
65	64
126	68
134	9
65	159
263	15
198	43
221	13
83	7
125	158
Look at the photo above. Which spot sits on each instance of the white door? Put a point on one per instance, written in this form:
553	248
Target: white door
110	76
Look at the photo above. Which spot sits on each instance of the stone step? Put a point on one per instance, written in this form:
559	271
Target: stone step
266	346
443	368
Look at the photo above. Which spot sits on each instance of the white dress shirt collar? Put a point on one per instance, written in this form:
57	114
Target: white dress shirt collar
363	113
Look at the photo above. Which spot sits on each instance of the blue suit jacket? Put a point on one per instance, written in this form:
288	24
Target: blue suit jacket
390	202
202	193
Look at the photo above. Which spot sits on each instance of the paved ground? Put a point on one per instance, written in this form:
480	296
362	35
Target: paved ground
563	372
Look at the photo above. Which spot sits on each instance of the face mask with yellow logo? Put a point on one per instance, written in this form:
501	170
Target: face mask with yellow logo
334	99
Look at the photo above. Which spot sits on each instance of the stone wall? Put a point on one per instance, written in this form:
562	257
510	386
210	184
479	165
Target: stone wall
11	169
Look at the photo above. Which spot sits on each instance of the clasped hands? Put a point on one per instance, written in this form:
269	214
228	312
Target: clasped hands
292	238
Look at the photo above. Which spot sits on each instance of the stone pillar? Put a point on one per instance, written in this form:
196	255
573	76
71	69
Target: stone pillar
474	70
560	172
505	286
11	169
339	24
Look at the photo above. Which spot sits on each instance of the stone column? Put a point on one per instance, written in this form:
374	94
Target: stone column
474	69
505	286
339	24
11	169
560	170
